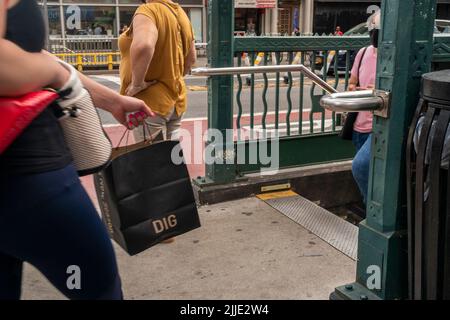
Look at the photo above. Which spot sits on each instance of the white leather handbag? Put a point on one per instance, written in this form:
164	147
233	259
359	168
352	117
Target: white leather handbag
89	144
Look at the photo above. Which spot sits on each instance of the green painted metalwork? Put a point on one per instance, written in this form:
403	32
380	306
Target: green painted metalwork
288	97
347	69
239	97
336	84
325	65
300	107
277	92
222	46
252	97
405	53
441	48
264	94
324	77
321	148
220	88
315	98
295	44
336	71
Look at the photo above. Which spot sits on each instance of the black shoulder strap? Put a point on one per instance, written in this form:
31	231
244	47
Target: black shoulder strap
360	63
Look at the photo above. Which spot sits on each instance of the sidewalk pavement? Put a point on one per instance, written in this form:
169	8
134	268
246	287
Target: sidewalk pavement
245	249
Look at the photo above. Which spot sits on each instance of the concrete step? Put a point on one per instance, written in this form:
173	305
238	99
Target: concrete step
328	185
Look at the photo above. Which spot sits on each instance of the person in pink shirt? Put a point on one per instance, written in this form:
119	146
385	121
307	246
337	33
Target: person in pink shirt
338	31
363	77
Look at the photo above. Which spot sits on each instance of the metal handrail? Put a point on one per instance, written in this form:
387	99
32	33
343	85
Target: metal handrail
355	101
265	69
351	101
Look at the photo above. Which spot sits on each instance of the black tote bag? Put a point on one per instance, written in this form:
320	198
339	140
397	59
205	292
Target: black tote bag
144	197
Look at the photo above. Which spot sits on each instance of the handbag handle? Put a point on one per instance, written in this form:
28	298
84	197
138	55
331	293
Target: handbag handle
127	134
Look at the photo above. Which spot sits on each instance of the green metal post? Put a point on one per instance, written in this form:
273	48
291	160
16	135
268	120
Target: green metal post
220	88
404	54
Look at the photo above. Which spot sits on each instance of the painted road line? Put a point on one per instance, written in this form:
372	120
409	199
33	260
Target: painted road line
115	79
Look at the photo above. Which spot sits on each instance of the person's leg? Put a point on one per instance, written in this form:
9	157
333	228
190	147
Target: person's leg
52	224
359	139
10	277
360	167
156	124
173	126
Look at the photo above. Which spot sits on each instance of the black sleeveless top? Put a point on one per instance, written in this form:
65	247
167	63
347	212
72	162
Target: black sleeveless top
41	147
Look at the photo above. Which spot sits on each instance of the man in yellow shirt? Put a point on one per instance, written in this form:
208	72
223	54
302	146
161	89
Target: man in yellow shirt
158	50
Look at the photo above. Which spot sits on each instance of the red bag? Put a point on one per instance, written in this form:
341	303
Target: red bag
17	113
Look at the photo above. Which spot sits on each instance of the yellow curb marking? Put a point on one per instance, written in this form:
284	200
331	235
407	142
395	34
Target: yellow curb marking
276	195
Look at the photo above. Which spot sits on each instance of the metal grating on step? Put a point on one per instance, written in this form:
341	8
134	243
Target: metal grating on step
337	232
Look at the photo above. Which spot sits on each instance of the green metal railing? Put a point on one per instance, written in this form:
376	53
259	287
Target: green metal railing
290	102
284	50
308	133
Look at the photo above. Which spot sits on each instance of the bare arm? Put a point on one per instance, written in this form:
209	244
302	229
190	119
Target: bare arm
191	59
352	83
22	72
109	100
145	36
3	8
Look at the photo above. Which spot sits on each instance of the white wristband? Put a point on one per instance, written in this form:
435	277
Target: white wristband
73	85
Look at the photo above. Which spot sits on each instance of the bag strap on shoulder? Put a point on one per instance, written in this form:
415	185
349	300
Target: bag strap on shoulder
360	63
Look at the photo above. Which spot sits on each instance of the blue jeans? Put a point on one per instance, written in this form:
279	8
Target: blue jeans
48	220
361	162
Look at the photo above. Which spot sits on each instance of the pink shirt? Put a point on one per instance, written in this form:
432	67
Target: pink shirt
367	76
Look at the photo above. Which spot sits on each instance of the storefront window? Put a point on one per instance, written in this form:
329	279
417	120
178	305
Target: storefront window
90	1
84	18
247	21
126	15
54	21
90	21
130	1
196	21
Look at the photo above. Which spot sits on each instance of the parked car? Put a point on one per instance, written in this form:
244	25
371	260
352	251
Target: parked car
441	26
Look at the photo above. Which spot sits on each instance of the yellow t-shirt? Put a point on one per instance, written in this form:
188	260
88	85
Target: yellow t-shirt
174	42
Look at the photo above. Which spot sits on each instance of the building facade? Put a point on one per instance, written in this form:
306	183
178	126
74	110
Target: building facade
106	18
327	14
252	17
266	17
